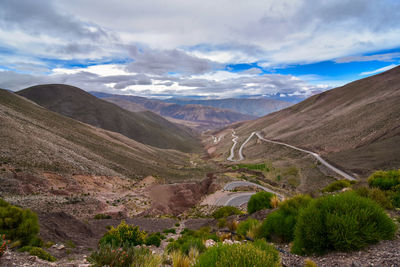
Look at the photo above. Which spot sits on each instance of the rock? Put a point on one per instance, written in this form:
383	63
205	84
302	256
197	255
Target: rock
83	265
228	241
209	243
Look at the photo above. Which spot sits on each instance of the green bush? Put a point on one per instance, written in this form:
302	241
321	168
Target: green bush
395	198
41	254
280	224
342	222
259	201
107	255
167	231
18	224
192	239
225	212
337	185
153	239
379	196
222	223
245	226
385	180
255	254
123	235
101	216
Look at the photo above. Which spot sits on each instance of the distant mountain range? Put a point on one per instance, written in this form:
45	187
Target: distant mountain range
356	126
144	127
255	107
199	117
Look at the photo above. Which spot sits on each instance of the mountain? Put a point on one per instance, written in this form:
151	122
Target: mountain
36	139
254	107
144	127
196	116
356	126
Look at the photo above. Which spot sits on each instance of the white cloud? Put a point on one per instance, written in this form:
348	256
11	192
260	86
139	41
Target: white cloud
378	70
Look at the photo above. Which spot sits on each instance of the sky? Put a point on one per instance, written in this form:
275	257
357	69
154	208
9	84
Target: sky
288	49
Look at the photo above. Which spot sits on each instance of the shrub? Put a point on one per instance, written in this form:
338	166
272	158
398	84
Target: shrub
177	224
232	225
153	239
259	201
102	216
123	235
275	202
279	225
309	263
125	256
18	224
221	223
341	222
245	226
240	255
395	198
191	240
379	196
385	180
337	185
3	244
167	231
225	212
179	259
41	254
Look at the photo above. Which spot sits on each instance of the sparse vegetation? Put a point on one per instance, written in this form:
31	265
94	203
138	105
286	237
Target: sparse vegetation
280	224
256	167
337	185
259	201
191	239
18	224
101	216
245	226
226	211
342	222
255	254
42	254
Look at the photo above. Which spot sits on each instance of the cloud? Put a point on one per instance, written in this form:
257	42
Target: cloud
378	70
377	57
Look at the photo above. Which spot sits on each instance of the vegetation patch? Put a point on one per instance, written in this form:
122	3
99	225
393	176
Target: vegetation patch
3	244
342	222
123	235
338	185
245	226
192	240
280	224
385	180
259	201
226	211
255	254
257	167
102	216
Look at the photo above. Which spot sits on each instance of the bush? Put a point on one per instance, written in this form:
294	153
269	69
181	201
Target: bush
259	201
280	224
385	180
18	224
395	198
255	254
106	255
377	195
221	223
337	185
167	231
191	240
41	254
102	216
342	222
245	226
123	235
153	239
225	212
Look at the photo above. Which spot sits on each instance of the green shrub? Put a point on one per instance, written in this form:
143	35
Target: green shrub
123	235
153	239
192	239
240	255
125	256
337	185
167	231
41	254
385	180
395	198
102	216
259	201
342	222
225	212
245	226
280	224
18	224
379	196
177	224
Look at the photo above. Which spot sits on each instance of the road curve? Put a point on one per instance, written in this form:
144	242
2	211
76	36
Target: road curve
233	185
315	155
234	140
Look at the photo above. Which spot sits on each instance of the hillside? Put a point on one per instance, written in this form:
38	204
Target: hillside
356	126
36	139
195	116
144	127
254	107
